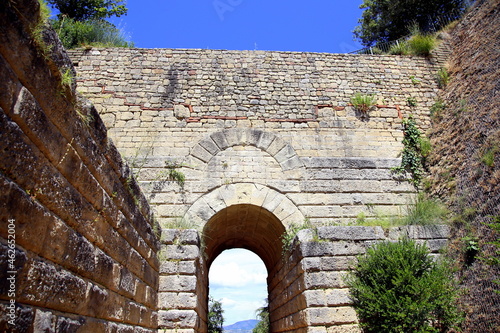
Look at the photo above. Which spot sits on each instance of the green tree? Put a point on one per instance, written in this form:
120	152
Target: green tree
215	316
83	10
263	325
388	20
397	287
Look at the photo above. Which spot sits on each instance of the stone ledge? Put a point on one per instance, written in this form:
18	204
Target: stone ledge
355	233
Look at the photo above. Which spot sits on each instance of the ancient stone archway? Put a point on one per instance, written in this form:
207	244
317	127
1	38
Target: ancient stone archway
244	226
241	215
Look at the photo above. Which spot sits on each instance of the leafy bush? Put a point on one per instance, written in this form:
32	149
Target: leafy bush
96	33
362	102
397	287
421	44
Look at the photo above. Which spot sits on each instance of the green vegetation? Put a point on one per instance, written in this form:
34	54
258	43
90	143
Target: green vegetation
414	80
82	23
179	223
263	326
412	161
422	44
84	10
384	21
67	77
92	33
40	26
291	232
488	156
397	287
362	103
400	48
442	77
423	211
411	101
174	174
437	108
215	316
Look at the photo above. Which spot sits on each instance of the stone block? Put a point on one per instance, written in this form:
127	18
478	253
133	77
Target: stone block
337	248
180	301
350	233
182	252
177	319
337	297
201	153
177	283
292	163
265	140
420	232
220	139
329	316
276	145
315	298
210	146
320	280
344	329
337	263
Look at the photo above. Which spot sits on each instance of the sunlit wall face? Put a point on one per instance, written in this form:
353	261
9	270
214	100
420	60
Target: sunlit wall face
238	279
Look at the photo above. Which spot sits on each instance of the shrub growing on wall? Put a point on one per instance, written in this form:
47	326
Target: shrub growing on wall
397	287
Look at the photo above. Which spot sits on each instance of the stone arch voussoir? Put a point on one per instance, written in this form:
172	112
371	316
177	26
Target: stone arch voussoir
254	194
269	142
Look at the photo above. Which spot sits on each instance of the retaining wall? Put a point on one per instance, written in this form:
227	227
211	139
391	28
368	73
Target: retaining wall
77	247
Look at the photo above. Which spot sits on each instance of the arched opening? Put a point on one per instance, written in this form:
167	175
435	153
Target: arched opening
238	281
244	226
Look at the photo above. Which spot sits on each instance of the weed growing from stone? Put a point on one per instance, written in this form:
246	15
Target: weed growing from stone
414	80
442	77
289	235
412	160
411	101
363	103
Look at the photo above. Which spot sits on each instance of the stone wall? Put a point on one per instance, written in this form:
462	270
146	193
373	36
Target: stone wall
78	251
307	291
276	119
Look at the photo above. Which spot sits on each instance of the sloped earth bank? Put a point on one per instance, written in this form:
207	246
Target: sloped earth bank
464	165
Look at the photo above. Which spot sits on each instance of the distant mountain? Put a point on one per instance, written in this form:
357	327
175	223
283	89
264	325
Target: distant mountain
245	326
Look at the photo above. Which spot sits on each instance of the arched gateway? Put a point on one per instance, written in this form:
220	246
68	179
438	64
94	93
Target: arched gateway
264	139
241	215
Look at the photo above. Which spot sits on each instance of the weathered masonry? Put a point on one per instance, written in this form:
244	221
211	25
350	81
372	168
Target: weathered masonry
265	140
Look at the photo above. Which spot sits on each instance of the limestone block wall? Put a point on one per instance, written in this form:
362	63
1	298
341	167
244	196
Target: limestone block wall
307	291
183	292
77	247
276	119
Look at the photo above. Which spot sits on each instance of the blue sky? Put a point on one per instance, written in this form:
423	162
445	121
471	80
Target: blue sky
238	279
312	26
